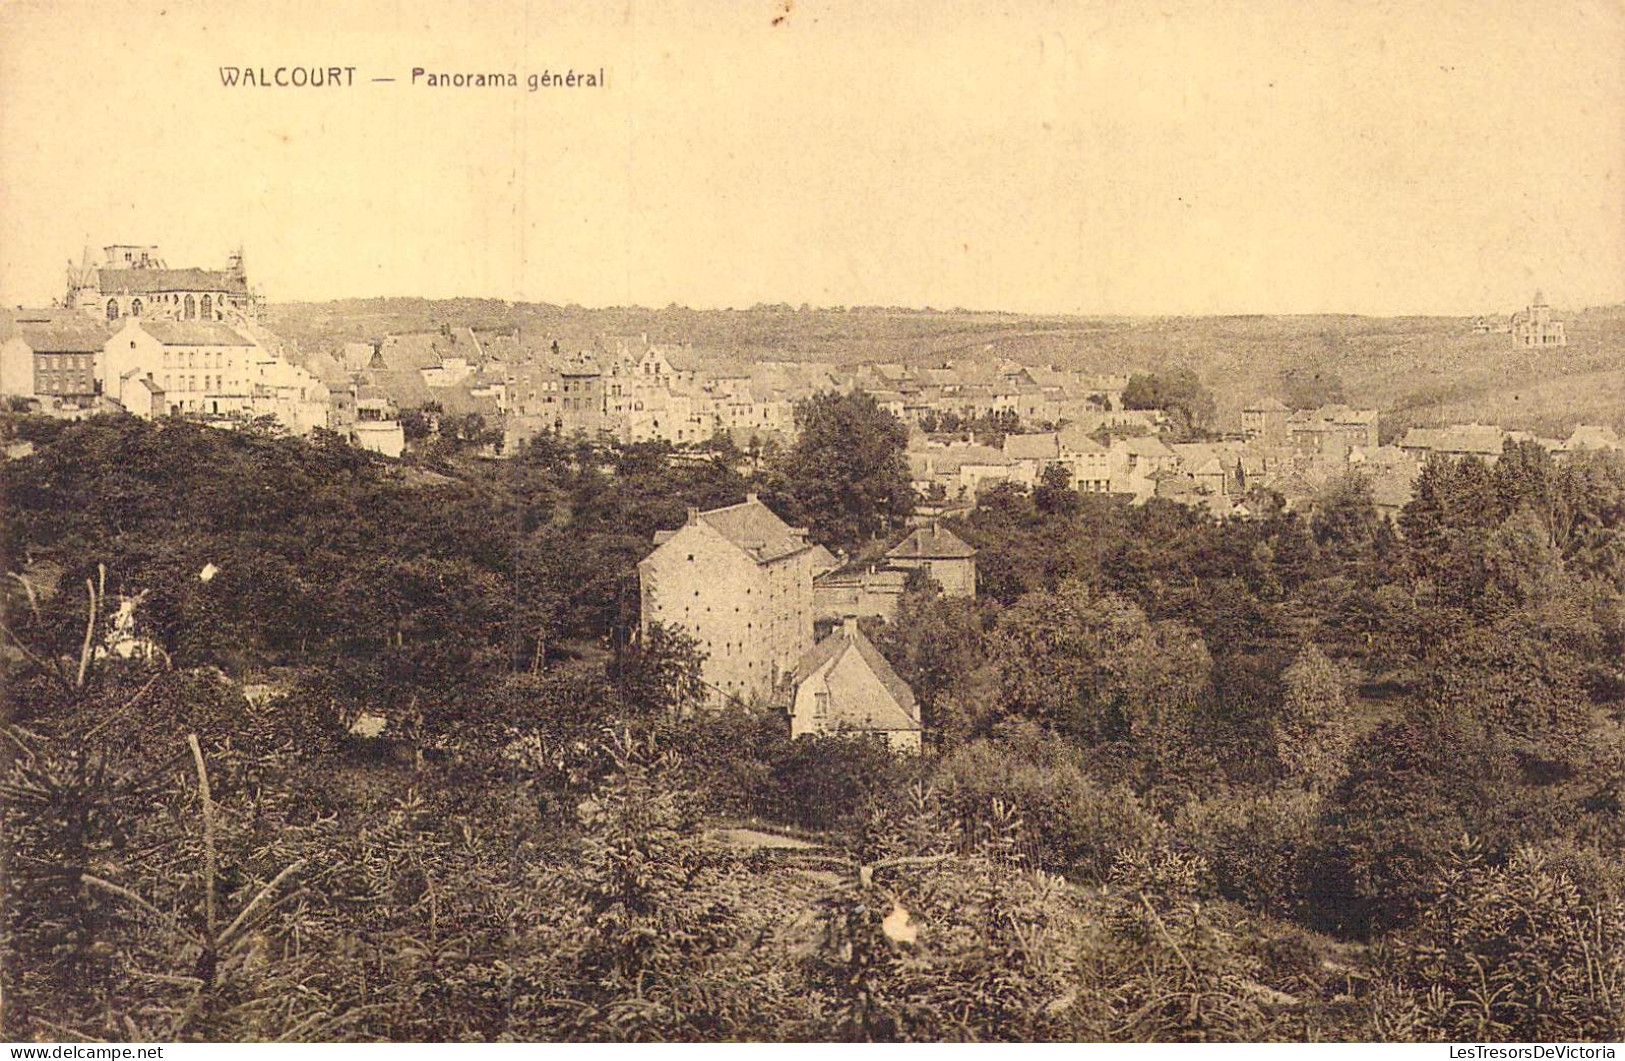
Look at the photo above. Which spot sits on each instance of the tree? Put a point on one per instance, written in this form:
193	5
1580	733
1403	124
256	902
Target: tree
1345	518
1179	393
659	675
1095	666
938	645
1312	732
847	476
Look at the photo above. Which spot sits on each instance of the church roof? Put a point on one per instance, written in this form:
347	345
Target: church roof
153	281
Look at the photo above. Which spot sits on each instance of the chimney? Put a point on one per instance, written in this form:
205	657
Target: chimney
849	626
693	515
751	498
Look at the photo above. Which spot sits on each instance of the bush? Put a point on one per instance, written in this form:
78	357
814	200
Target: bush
1517	953
1070	823
1257	847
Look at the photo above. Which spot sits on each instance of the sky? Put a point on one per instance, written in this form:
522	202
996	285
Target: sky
1171	157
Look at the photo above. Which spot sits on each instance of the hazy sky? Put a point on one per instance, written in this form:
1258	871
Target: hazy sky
1169	157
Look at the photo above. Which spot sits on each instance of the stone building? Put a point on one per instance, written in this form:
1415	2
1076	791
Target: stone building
210	370
202	367
54	362
1265	421
738	580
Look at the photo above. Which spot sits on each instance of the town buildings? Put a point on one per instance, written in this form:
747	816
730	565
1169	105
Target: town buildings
207	369
53	360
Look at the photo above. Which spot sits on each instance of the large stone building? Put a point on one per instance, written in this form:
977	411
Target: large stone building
1318	431
209	370
203	367
739	581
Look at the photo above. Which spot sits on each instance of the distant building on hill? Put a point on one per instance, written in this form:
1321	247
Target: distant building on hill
1534	326
1265	421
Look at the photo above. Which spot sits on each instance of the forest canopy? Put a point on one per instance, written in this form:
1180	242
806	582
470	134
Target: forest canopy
379	754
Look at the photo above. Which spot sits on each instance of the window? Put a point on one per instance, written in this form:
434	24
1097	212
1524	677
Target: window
208	308
190	312
112	309
135	307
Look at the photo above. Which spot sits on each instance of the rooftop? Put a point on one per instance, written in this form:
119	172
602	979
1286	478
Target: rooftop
895	713
63	338
753	527
193	333
154	281
931	543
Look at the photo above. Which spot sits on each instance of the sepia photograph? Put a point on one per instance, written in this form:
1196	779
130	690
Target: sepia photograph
812	521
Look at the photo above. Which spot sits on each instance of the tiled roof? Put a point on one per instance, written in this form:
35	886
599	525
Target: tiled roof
1074	438
894	713
63	338
1268	405
823	560
412	350
193	333
1146	446
753	527
1592	436
931	543
1042	446
152	281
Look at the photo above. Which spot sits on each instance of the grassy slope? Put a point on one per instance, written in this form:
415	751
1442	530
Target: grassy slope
1415	369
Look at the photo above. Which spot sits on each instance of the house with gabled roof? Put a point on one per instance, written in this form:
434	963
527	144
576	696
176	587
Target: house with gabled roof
940	553
1590	436
844	686
739	580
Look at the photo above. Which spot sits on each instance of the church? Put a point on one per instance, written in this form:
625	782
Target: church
134	281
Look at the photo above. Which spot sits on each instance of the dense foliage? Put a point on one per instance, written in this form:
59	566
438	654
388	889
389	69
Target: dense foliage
375	753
